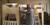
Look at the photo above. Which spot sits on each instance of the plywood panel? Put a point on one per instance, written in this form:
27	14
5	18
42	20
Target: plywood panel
7	1
35	0
11	1
0	12
16	1
38	0
23	1
3	1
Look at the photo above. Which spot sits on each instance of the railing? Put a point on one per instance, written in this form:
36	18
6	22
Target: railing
10	22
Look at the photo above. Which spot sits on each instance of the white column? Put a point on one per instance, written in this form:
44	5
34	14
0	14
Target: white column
42	17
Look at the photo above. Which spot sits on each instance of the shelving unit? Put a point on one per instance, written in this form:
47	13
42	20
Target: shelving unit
39	9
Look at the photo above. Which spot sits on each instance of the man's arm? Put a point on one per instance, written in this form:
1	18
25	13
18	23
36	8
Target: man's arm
25	9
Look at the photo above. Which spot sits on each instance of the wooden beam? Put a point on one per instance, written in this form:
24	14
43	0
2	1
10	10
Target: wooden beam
0	12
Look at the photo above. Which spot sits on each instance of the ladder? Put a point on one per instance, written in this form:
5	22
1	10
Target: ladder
36	18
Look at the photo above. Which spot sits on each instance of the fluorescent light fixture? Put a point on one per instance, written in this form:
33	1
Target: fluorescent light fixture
14	4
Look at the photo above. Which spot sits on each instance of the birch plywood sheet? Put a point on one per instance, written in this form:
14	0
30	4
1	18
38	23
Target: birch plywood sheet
35	0
39	0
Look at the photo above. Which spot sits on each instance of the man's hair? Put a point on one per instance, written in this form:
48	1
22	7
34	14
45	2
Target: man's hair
28	3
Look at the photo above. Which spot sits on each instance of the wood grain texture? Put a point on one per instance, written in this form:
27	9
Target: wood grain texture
0	12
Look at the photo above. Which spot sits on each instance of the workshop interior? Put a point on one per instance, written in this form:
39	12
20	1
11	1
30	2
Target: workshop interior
12	12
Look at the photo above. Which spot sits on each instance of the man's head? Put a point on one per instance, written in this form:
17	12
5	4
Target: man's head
28	5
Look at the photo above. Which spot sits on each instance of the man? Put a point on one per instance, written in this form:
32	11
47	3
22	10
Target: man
23	17
29	15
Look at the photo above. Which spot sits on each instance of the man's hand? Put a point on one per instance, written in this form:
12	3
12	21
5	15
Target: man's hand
25	10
